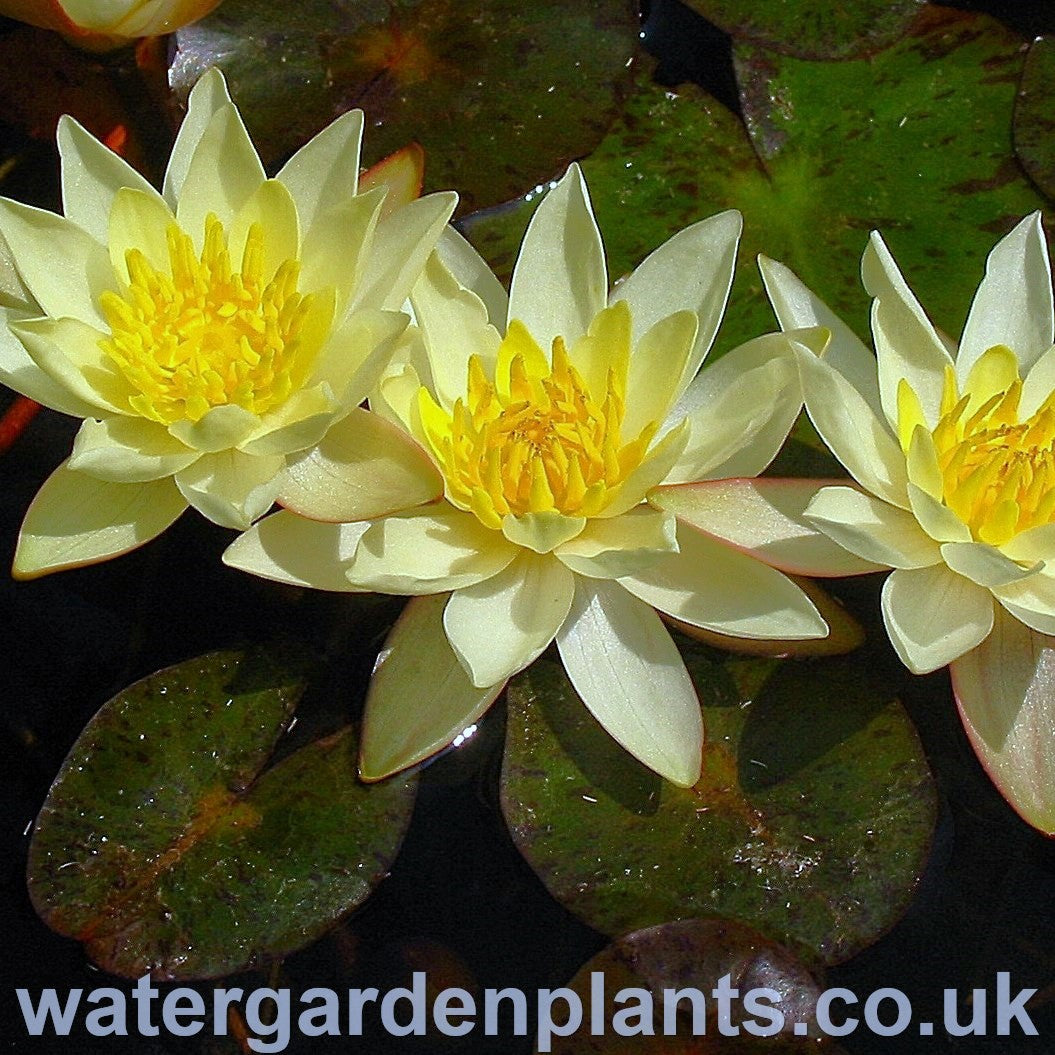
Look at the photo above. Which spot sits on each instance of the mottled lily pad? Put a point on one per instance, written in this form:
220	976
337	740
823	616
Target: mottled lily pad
500	94
812	819
918	146
812	29
166	846
1034	118
695	954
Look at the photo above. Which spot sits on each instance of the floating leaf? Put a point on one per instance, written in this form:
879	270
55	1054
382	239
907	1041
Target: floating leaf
812	818
162	846
695	954
500	94
812	29
1034	119
917	146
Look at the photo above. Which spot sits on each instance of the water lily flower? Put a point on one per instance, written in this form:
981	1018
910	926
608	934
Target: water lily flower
205	335
554	426
102	23
953	450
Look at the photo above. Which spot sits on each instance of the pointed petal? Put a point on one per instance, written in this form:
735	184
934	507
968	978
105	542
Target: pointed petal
402	243
797	307
744	407
474	273
91	175
337	249
907	345
631	677
64	267
874	530
428	550
716	587
223	174
499	626
287	548
693	271
657	366
541	532
857	437
207	97
68	351
934	616
765	519
417	660
619	546
560	281
326	168
364	467
1005	691
454	325
606	344
1013	305
232	489
76	520
138	221
127	450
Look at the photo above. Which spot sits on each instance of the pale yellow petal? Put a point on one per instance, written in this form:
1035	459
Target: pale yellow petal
270	207
207	97
287	548
984	564
127	450
76	520
232	489
498	626
934	616
627	671
428	550
619	546
541	532
364	467
219	429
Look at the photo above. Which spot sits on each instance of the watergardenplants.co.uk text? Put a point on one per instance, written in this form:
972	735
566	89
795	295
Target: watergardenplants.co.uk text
273	1016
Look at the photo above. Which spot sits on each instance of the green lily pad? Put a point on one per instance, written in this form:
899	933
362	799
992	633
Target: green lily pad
1034	121
166	846
812	29
918	146
695	954
500	94
812	819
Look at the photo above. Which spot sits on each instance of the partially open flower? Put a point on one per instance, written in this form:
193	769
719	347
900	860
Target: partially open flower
954	452
205	334
102	23
552	418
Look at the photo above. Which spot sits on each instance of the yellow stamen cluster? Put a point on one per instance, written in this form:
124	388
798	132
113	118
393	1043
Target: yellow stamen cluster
998	472
205	335
548	445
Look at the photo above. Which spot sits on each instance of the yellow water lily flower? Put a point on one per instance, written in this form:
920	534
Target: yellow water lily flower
206	334
555	426
103	23
954	452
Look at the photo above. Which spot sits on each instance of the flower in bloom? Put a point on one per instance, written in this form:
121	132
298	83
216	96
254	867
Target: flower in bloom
206	335
107	22
953	450
557	425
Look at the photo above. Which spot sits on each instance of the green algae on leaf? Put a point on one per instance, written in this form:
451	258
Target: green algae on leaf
917	146
165	845
812	29
812	819
499	93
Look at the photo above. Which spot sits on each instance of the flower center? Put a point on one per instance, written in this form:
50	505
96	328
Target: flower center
541	443
204	335
998	472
